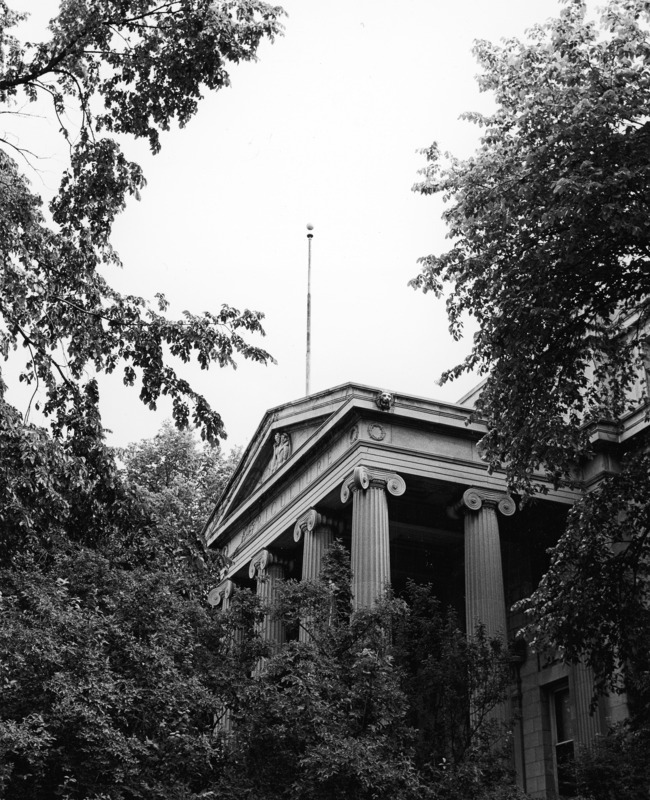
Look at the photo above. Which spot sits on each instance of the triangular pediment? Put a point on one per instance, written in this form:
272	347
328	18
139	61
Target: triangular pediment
279	445
282	434
305	446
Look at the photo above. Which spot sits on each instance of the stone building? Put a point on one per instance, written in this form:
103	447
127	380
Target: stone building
400	480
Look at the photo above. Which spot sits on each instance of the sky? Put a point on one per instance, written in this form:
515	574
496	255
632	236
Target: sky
325	128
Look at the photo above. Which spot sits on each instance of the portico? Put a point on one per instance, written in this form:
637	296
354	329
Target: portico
400	481
392	477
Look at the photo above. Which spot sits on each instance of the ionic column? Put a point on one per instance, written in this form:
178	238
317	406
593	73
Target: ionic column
268	570
370	531
220	596
318	532
484	593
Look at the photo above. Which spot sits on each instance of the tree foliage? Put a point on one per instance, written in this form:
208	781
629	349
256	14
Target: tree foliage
550	253
178	480
616	766
452	684
327	717
116	674
109	676
358	711
548	222
60	491
595	597
112	663
129	68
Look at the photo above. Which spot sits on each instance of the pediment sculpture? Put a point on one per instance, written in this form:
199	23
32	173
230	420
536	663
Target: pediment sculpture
281	450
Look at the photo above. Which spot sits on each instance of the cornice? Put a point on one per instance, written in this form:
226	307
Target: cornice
333	409
410	410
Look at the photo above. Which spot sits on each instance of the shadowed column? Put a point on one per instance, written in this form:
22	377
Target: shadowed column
370	531
484	592
268	570
317	532
220	597
485	602
588	724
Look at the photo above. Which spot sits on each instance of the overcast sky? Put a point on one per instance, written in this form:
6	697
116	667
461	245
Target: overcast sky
324	129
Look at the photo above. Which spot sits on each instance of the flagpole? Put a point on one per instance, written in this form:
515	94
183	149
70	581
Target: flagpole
310	236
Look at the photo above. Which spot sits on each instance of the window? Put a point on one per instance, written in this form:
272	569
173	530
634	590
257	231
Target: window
562	731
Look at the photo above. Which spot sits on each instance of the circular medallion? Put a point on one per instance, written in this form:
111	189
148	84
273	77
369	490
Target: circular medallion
376	432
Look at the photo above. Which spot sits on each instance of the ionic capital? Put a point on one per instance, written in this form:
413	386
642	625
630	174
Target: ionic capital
309	520
474	499
261	562
220	595
363	477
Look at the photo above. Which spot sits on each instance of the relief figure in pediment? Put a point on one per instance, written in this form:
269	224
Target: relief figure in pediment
281	450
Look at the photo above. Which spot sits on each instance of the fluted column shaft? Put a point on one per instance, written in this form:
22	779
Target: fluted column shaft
267	587
485	602
316	545
370	545
484	594
484	591
268	570
370	531
582	689
220	597
317	532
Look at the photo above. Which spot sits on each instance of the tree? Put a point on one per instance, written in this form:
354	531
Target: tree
452	684
117	69
114	668
327	717
595	598
349	712
550	242
551	255
178	480
112	663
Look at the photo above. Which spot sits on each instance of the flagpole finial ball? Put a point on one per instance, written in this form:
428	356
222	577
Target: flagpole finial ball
310	227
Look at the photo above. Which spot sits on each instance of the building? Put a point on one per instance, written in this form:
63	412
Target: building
401	481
